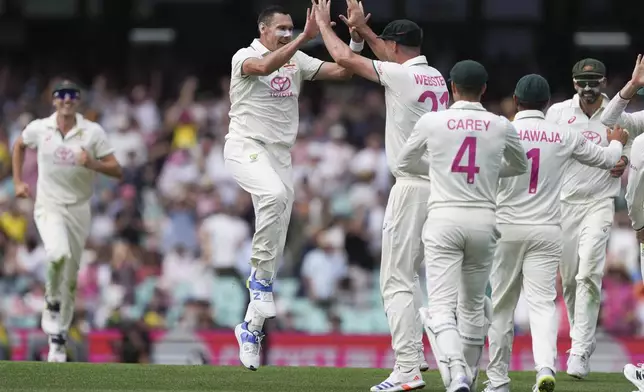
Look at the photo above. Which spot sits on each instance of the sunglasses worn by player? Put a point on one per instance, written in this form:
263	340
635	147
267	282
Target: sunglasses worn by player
67	93
593	83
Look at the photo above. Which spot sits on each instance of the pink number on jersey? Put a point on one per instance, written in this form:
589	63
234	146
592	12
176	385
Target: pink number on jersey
469	145
444	99
534	155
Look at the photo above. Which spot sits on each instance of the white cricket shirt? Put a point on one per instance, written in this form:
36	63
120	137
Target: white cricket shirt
584	183
265	108
635	188
633	122
61	180
467	147
533	198
412	89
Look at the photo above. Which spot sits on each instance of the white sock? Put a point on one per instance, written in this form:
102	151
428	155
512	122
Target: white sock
256	324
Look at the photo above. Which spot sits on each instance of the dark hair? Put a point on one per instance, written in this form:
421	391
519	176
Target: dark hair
267	14
533	105
470	91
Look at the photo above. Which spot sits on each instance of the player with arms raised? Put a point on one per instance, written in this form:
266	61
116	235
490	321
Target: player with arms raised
266	79
529	219
412	88
469	149
71	150
587	212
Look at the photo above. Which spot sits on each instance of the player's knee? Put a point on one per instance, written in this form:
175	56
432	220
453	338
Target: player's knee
276	200
440	322
58	256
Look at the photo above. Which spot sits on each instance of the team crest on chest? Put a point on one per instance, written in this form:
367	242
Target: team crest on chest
592	136
64	155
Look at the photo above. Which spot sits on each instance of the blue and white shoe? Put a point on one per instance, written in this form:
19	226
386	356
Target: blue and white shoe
261	297
249	346
401	381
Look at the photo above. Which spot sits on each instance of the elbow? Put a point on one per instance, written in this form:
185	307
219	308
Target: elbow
344	58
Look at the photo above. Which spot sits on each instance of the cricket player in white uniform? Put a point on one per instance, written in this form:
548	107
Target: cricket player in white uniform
71	150
587	211
614	114
529	219
469	149
266	79
412	88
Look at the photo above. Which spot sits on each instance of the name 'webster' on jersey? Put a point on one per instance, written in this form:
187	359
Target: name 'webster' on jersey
411	90
467	147
533	198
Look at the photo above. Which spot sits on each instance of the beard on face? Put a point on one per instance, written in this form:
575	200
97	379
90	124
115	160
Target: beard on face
590	95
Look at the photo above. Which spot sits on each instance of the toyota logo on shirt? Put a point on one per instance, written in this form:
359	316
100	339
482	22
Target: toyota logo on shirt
592	136
281	86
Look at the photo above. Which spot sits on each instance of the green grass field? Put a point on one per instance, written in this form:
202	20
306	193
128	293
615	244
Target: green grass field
43	377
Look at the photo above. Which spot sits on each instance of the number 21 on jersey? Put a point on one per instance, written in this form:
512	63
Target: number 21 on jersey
443	100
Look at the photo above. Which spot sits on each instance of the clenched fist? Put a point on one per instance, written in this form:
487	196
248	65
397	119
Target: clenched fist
22	190
85	159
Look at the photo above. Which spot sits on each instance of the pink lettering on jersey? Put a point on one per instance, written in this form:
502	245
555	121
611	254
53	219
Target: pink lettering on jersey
467	125
535	135
425	80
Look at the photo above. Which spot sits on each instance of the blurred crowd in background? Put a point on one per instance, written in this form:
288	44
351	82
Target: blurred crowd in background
169	245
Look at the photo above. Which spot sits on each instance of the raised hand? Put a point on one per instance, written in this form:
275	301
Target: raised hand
322	12
355	14
638	72
311	29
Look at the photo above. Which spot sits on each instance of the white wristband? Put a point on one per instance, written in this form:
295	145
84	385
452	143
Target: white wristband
356	46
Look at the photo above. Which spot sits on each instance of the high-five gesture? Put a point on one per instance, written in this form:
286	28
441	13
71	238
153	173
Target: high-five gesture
311	29
355	14
322	12
638	72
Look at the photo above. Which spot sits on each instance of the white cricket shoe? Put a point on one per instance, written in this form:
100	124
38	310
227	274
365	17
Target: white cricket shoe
401	381
635	374
51	320
57	349
460	383
578	366
502	388
545	381
249	346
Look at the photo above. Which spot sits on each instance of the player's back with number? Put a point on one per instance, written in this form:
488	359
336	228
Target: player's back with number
533	198
466	146
411	90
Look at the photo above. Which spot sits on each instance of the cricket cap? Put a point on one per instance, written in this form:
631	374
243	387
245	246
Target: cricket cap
589	69
640	91
66	85
532	88
468	73
404	32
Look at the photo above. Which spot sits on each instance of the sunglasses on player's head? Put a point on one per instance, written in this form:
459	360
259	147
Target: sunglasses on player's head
592	83
64	93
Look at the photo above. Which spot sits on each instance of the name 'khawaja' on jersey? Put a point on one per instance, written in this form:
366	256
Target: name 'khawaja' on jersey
469	150
412	89
533	198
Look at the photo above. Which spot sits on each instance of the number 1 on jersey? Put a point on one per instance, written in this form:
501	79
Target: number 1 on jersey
469	146
444	99
534	155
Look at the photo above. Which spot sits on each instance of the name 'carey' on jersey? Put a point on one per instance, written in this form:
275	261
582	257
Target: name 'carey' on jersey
535	135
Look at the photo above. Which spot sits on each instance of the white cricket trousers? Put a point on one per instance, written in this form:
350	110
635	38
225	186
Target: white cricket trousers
63	230
402	254
266	173
526	258
459	249
586	230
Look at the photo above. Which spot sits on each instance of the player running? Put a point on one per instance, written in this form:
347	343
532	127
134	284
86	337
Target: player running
467	146
529	219
71	150
412	88
587	210
266	79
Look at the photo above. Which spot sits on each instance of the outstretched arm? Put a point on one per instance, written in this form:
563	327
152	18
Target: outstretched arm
358	21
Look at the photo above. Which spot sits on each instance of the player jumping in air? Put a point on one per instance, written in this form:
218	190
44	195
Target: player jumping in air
529	218
587	211
266	79
412	88
71	150
469	149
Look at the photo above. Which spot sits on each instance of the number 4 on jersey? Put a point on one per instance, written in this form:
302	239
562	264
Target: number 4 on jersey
444	99
470	168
